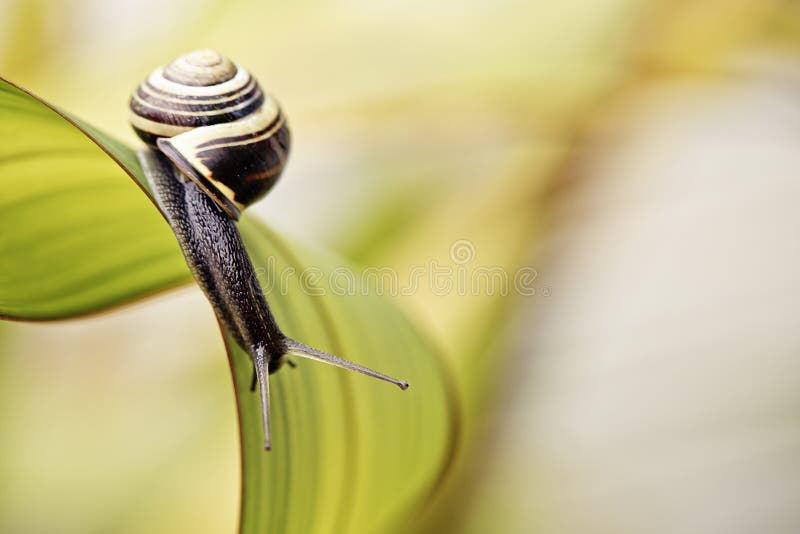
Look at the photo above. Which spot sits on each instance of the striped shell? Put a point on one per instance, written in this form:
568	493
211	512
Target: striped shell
211	119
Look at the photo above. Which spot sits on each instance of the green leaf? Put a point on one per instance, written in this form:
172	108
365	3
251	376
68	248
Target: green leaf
78	236
350	454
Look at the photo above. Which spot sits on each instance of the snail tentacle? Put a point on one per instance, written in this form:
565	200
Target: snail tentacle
296	348
261	362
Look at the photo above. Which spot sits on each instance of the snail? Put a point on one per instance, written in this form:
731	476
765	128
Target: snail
217	143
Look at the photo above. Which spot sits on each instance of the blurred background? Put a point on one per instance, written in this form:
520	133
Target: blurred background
638	159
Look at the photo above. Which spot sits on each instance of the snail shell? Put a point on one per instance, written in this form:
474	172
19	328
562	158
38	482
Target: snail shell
210	117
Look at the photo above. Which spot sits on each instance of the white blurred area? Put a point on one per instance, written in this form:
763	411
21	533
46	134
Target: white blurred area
658	389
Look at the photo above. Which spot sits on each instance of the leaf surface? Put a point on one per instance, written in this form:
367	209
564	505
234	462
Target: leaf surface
77	235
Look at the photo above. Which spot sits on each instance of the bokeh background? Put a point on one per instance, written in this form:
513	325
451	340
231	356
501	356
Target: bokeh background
640	156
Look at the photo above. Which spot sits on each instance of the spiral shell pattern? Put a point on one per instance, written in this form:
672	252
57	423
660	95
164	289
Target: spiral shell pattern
210	117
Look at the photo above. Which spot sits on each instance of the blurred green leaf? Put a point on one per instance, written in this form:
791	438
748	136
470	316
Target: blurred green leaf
351	454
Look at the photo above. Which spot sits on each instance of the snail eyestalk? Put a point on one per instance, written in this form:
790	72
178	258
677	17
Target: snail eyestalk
304	351
261	362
